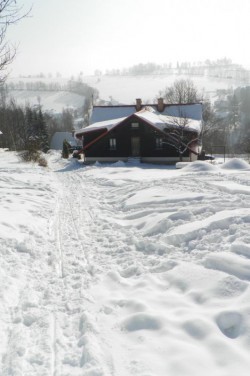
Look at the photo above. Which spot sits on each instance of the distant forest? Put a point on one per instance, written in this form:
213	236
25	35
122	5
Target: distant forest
221	68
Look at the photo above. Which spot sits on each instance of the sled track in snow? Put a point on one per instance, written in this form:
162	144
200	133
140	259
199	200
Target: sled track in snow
75	216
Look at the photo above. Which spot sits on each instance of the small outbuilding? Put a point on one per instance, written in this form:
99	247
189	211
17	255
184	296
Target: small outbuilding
156	133
56	142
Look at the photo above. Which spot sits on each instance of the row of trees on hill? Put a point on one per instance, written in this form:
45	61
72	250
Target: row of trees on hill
220	68
74	86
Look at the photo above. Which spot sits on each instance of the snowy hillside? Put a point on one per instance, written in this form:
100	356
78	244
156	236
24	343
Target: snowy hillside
126	89
124	270
53	101
121	89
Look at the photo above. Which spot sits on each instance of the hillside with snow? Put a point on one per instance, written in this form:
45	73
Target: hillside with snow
114	89
124	269
51	101
125	89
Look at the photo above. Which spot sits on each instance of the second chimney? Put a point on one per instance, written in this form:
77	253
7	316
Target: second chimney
138	104
160	105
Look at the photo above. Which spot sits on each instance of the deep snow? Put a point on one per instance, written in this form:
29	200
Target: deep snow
124	269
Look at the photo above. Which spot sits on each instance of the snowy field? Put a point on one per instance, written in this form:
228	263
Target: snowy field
124	269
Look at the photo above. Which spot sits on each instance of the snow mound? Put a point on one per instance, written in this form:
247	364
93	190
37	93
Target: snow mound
200	166
236	164
230	323
141	321
118	164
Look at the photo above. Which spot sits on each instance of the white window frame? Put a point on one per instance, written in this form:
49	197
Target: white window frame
134	125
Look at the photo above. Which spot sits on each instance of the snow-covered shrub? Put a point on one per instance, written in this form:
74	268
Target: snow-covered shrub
42	162
30	155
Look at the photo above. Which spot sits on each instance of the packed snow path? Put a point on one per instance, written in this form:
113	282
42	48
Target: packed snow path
125	270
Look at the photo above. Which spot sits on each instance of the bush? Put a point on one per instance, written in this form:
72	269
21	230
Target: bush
42	162
30	155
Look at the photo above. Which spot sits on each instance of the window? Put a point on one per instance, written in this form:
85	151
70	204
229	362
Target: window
134	125
112	144
159	143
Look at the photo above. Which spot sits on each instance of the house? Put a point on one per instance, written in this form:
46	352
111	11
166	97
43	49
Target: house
156	133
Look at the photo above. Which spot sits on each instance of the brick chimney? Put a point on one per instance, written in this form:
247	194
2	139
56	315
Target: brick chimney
138	104
160	105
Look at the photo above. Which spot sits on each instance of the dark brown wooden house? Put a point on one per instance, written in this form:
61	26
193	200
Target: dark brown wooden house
151	133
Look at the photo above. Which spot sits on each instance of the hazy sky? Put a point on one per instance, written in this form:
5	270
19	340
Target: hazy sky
73	36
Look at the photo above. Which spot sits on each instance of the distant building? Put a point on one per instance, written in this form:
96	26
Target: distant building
156	133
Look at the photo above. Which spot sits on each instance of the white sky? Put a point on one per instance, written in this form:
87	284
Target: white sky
73	36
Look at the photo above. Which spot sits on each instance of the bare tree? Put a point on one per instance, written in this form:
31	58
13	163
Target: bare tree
180	137
182	91
10	13
210	125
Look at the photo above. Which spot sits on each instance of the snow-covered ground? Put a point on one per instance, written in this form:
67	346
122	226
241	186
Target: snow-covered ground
124	269
51	101
125	89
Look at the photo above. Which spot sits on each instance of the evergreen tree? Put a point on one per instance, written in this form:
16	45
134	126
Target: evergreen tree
42	131
65	150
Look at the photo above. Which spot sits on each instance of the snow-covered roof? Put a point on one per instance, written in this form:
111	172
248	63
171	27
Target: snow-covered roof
163	120
102	113
107	124
189	111
173	116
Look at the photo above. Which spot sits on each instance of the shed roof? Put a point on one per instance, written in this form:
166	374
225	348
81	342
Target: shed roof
58	138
